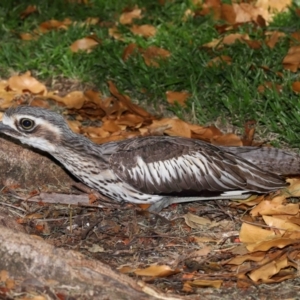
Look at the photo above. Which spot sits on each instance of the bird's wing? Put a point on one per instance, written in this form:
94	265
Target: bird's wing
163	165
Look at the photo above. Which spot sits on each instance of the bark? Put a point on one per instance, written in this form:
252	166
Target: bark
35	265
30	169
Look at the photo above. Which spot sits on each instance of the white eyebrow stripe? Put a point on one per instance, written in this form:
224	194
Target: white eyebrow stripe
10	121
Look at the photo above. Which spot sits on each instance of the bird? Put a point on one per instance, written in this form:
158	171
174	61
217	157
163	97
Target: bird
155	170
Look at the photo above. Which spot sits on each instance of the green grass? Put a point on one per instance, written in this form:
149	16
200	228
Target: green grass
226	91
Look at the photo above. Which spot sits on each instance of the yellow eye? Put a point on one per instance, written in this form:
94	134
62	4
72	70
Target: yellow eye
26	124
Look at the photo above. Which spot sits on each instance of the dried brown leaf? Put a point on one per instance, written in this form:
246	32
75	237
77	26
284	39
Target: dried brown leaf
95	132
227	40
205	283
204	133
26	83
54	24
219	60
130	120
228	139
195	221
126	101
277	242
74	99
113	32
129	50
173	127
30	9
293	190
156	271
274	38
272	208
252	234
179	97
86	44
265	272
110	126
281	224
153	54
28	36
296	86
239	260
292	60
253	44
143	30
228	14
127	17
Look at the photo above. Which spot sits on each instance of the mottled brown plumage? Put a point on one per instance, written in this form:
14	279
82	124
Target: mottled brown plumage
147	169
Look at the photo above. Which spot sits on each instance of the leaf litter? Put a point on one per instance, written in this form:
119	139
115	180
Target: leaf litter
241	243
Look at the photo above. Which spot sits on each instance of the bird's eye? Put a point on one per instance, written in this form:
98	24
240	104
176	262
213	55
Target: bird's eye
26	124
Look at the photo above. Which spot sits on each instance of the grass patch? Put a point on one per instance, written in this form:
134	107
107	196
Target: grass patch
226	91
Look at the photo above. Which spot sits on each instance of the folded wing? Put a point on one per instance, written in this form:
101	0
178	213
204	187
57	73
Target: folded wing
164	165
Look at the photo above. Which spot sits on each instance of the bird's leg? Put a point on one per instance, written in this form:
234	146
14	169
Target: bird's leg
166	201
84	188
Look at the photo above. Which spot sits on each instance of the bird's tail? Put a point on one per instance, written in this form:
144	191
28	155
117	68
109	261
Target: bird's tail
269	159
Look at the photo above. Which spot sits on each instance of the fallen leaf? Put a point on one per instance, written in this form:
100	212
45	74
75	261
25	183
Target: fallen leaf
195	221
271	207
247	12
296	86
126	101
3	275
253	44
239	260
156	271
30	9
265	272
129	50
179	97
74	125
85	44
204	133
228	14
95	132
269	85
219	60
253	234
293	190
54	24
172	127
205	283
130	120
127	17
95	248
74	99
281	224
28	36
274	38
227	40
10	284
143	30
153	54
113	32
274	5
110	126
277	242
292	60
228	139
26	83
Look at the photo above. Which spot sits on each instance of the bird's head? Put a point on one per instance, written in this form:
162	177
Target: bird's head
36	127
